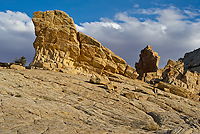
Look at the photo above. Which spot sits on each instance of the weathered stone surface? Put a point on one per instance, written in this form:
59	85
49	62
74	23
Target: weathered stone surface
131	95
173	70
148	61
110	87
59	45
56	39
174	75
192	80
97	79
17	67
153	77
177	90
43	101
192	61
130	72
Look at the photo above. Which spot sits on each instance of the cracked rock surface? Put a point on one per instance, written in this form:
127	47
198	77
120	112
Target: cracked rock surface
42	102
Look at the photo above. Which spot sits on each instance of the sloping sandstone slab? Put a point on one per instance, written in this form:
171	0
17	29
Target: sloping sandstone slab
43	101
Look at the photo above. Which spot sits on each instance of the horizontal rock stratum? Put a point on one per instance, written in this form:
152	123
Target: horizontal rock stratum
59	45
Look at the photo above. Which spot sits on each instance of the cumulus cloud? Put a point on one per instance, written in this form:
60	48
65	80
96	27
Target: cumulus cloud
16	36
171	33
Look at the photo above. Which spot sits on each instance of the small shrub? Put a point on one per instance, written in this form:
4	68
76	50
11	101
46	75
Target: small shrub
20	61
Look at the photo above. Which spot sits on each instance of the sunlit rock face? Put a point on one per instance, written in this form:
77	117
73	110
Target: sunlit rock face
56	44
59	45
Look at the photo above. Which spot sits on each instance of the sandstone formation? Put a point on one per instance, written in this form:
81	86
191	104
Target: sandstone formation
186	82
35	101
59	45
148	61
192	61
76	85
176	75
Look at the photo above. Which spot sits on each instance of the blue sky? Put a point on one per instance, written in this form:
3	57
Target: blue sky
92	10
171	27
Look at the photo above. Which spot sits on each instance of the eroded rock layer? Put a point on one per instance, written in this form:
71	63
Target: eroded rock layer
59	45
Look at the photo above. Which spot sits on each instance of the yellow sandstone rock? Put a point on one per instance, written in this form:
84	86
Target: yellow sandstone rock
59	45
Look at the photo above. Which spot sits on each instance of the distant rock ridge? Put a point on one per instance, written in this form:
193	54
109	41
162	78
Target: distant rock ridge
174	78
192	61
59	45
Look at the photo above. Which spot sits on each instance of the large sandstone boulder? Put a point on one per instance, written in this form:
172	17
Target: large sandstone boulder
56	44
148	62
59	45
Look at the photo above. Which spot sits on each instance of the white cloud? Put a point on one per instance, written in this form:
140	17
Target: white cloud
170	33
16	36
136	6
192	14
